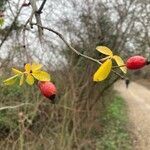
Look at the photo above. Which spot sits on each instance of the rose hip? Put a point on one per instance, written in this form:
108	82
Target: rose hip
48	89
136	62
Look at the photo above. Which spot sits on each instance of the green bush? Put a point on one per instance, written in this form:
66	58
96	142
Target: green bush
114	135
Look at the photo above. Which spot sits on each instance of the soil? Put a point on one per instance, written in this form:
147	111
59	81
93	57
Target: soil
137	97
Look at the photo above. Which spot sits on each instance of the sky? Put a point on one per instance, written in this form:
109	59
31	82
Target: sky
53	11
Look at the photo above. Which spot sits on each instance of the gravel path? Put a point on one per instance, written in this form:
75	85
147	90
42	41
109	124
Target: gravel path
137	98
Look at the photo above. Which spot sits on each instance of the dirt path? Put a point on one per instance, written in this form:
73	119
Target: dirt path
138	101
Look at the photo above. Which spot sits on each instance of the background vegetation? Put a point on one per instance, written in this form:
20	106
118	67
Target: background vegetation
87	114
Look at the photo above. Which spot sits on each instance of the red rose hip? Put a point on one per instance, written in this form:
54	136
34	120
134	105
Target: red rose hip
48	89
136	62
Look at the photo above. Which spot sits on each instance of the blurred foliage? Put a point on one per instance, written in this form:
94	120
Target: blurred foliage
1	21
2	4
75	121
70	124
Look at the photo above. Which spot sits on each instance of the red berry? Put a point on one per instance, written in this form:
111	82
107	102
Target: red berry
48	89
136	62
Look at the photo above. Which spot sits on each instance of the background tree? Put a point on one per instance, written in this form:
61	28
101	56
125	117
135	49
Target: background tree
85	24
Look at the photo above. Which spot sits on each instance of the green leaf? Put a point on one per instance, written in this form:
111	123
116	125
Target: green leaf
104	50
103	71
120	63
30	79
41	75
10	80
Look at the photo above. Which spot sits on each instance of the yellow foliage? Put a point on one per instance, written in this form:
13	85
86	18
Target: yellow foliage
104	70
31	71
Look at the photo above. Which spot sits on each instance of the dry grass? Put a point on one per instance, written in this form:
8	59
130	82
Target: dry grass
72	123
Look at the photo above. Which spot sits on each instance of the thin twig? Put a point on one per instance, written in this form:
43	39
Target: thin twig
13	107
74	50
11	27
69	46
118	74
119	66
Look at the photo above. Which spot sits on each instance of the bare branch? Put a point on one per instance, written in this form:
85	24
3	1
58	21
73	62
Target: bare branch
41	7
69	46
37	16
11	28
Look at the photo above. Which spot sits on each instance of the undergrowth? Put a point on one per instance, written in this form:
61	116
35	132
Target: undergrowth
115	135
71	124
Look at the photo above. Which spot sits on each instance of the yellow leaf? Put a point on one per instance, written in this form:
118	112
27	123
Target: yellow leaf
15	71
30	79
120	63
36	67
104	50
10	80
41	75
103	71
28	68
21	80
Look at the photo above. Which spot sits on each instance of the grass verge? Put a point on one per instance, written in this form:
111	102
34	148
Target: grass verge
115	135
